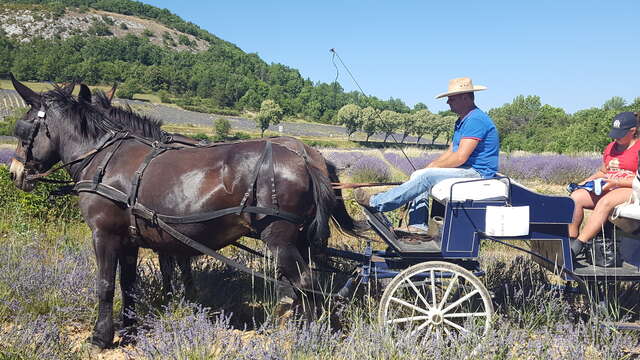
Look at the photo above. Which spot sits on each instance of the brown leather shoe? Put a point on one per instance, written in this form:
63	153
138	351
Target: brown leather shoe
412	230
362	197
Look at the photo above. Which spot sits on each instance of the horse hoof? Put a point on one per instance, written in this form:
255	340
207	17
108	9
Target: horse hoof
98	343
90	349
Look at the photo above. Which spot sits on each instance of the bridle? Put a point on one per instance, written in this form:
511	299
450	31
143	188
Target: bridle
29	131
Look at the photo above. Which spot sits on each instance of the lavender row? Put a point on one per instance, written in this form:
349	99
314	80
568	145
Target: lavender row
557	169
5	156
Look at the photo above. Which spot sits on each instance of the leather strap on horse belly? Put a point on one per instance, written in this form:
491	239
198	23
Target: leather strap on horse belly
135	186
145	213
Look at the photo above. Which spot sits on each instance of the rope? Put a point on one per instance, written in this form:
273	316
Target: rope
335	54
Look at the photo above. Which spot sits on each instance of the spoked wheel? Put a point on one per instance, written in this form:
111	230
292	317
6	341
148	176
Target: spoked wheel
436	298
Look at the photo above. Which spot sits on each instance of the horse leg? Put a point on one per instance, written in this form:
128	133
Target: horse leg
184	263
107	259
281	238
167	266
128	260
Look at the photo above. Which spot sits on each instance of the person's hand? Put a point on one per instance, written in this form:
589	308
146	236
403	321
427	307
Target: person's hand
610	184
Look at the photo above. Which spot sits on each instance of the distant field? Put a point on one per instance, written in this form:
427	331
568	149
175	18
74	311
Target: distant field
40	87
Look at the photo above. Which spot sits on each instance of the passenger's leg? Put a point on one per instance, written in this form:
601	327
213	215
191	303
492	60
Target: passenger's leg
583	199
412	189
601	212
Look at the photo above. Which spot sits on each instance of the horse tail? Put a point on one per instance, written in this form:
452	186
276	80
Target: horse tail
339	215
325	200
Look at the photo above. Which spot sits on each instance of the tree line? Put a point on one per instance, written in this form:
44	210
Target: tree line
419	122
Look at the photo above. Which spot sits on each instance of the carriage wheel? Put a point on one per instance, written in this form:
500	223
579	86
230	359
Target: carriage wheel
436	298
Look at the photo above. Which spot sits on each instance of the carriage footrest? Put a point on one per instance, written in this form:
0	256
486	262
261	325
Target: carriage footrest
415	244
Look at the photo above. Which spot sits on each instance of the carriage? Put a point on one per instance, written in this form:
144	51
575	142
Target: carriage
435	282
216	193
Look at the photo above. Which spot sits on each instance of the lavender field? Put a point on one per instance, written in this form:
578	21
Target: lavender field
48	303
388	164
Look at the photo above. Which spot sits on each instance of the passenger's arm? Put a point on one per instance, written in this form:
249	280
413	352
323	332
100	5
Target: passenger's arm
617	183
601	173
453	159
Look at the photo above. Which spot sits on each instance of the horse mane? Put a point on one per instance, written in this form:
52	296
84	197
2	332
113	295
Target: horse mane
128	119
92	123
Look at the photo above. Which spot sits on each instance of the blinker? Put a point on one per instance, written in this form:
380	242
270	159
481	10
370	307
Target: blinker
23	129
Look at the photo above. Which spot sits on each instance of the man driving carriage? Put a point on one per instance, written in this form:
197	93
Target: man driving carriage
473	153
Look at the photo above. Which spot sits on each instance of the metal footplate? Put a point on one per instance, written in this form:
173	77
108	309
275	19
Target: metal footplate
408	244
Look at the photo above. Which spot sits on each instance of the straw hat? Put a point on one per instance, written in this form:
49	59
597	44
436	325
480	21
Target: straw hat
460	86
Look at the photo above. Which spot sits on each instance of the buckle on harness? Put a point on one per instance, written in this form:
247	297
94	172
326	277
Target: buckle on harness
133	232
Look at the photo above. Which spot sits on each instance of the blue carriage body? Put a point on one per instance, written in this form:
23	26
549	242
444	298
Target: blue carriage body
463	228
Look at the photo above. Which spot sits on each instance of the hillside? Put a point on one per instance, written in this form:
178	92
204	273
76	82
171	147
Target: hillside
23	23
151	50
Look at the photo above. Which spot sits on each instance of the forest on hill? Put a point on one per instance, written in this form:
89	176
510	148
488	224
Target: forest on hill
224	79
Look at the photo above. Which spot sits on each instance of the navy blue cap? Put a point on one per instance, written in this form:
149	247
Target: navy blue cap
622	123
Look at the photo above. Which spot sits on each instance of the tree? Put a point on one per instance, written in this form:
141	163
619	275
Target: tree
448	123
270	113
615	103
391	121
421	123
222	127
419	106
369	121
407	125
517	114
128	89
349	116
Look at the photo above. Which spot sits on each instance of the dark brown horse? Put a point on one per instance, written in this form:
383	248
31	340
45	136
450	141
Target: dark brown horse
177	183
125	118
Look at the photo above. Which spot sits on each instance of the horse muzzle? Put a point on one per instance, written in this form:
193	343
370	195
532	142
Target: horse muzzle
18	176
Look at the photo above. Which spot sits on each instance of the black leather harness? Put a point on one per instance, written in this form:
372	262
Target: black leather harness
130	200
138	210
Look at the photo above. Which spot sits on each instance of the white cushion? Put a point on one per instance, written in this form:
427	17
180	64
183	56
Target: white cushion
476	190
631	211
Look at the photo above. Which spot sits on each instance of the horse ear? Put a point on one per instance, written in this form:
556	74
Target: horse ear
68	88
85	93
28	95
111	92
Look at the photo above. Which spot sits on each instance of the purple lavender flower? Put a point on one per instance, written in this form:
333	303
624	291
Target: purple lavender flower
557	169
370	169
6	155
400	162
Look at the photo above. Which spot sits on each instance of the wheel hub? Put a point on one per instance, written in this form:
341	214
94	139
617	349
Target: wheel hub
436	317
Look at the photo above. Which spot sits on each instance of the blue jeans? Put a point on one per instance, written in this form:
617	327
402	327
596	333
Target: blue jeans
417	190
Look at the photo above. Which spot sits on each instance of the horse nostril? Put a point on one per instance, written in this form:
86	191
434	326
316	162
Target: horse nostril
13	176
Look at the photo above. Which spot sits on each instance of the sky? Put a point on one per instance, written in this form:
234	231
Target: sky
573	54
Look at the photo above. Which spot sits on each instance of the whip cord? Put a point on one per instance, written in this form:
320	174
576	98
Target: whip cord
336	55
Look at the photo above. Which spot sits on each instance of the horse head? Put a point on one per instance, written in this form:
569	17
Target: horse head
38	140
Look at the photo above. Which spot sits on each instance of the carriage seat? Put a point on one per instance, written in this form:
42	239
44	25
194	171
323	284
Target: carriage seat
630	211
485	189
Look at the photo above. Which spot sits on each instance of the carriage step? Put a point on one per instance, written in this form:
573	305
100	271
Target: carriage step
401	241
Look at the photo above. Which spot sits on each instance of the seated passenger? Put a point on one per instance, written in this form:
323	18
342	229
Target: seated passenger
473	153
620	163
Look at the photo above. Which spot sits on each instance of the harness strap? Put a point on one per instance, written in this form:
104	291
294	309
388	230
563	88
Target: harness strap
135	186
266	153
143	212
272	172
97	177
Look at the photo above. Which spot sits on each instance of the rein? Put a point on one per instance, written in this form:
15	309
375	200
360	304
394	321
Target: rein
338	185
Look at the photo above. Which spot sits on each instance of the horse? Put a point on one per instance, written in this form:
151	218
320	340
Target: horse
125	117
143	181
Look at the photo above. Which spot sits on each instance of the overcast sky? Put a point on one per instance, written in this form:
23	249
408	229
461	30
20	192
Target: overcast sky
573	54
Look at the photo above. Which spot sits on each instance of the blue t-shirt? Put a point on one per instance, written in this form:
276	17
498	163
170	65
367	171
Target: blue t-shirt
478	125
